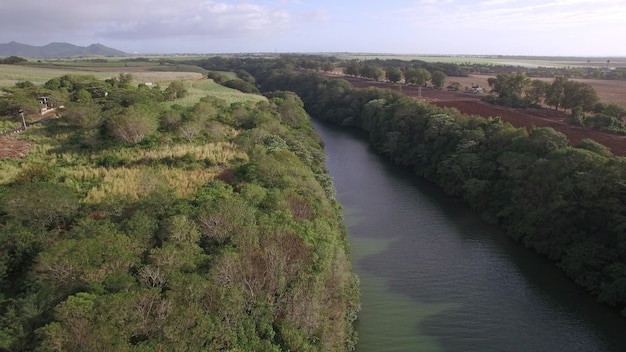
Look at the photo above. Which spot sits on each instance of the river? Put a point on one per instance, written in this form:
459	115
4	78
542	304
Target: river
435	277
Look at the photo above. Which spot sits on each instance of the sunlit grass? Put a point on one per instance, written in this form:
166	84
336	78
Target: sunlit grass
11	74
198	89
137	182
8	171
216	153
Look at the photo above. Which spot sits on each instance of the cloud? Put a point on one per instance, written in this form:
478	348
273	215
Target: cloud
140	19
506	14
318	16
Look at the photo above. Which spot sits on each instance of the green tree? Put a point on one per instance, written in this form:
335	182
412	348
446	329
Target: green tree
556	92
353	68
418	76
438	79
393	74
537	91
175	90
579	94
133	124
40	205
82	96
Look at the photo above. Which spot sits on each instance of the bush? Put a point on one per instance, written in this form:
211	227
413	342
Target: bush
241	86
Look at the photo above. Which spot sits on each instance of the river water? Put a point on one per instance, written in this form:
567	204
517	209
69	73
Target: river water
435	277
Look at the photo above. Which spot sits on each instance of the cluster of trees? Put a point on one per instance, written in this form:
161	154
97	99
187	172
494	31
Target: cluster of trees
519	91
565	202
244	82
411	74
222	231
12	60
85	89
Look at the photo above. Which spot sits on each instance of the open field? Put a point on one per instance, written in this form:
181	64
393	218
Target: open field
202	87
524	61
10	74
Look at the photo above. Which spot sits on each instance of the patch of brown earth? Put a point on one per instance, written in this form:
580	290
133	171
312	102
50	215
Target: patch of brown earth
469	103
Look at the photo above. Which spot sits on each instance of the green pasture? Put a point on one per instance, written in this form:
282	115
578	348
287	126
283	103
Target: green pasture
201	88
11	74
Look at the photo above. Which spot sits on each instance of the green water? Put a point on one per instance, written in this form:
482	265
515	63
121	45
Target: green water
434	277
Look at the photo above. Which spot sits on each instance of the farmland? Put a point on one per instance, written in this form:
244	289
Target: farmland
471	104
524	61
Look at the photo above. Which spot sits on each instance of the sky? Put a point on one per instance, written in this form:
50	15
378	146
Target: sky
594	28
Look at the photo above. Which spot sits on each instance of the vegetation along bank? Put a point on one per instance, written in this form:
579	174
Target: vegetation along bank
141	220
565	202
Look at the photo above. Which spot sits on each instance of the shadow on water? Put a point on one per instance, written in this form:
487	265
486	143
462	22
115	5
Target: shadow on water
435	277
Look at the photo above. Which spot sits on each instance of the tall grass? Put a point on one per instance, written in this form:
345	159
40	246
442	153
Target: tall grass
216	153
140	181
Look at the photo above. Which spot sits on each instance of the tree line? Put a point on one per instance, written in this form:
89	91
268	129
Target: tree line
580	98
565	202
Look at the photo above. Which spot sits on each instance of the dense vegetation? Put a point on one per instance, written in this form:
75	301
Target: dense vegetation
565	202
137	224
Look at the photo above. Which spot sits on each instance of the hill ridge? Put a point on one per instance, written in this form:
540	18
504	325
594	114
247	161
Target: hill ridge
57	50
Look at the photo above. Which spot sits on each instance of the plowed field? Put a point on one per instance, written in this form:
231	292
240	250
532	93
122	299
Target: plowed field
469	103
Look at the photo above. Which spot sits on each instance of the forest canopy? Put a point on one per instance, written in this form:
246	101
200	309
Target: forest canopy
138	224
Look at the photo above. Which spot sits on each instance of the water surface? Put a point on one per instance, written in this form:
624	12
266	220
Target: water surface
435	277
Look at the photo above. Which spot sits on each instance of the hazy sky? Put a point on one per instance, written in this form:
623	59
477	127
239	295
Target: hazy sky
508	27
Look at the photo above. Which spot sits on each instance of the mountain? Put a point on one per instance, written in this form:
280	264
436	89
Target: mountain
57	50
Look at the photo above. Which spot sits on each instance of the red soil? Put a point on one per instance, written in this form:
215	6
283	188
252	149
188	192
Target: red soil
469	103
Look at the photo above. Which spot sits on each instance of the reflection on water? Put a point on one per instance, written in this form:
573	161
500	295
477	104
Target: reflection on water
434	277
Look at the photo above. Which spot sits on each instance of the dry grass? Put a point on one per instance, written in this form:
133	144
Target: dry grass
608	91
138	181
216	153
141	181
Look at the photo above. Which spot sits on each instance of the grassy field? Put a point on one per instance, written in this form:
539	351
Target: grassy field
200	88
192	76
496	60
10	74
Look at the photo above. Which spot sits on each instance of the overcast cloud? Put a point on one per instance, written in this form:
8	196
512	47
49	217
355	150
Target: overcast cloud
528	27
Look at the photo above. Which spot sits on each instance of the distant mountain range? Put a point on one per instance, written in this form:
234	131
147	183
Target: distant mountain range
56	50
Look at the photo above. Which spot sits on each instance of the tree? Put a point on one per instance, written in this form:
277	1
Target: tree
327	66
175	90
133	124
438	78
393	74
418	76
556	92
40	205
579	94
82	96
372	71
537	90
12	60
125	79
353	68
85	116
